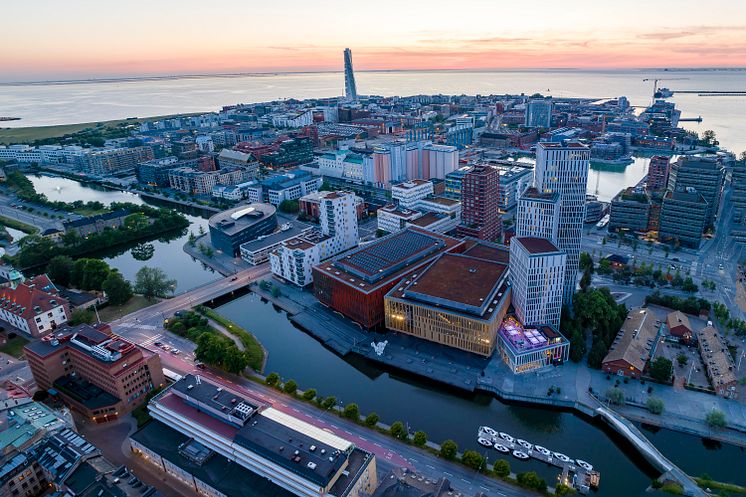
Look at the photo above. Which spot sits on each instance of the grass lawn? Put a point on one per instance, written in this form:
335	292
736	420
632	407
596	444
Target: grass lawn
84	211
29	134
249	341
14	347
112	312
18	225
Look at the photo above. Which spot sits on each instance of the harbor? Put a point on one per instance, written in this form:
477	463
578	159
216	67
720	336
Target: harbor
575	473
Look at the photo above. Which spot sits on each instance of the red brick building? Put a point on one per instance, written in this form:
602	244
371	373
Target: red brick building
679	326
480	204
630	353
34	306
356	283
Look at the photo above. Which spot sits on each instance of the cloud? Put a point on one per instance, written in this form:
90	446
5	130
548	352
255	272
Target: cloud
666	35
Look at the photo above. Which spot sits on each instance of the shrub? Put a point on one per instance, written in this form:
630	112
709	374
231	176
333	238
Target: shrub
419	438
272	378
329	402
472	459
655	405
502	468
371	419
309	394
716	418
615	395
562	489
530	479
351	411
398	431
448	450
290	387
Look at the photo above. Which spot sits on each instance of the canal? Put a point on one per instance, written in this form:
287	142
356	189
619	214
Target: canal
424	405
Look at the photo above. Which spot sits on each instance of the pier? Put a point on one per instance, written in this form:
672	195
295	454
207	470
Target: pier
714	93
690	119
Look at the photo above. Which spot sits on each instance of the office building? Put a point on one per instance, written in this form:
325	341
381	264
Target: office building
350	86
633	346
539	113
454	180
34	306
410	192
294	258
292	152
101	376
288	186
630	211
706	175
98	223
229	229
196	420
657	180
458	300
537	214
683	218
355	283
480	213
679	326
530	348
537	275
563	168
513	181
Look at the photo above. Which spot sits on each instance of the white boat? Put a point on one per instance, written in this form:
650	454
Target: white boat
542	450
489	431
501	448
524	444
561	457
585	465
520	454
484	442
506	437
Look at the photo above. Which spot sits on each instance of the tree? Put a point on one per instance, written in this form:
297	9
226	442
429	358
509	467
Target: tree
654	405
309	394
89	274
234	360
371	419
290	387
152	282
472	459
715	418
329	402
585	280
530	479
502	468
708	138
351	411
615	395
398	431
272	379
289	206
682	359
562	489
597	354
81	316
448	450
117	288
59	269
586	262
419	438
577	346
661	369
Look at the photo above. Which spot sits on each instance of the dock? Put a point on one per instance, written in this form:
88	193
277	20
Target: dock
572	474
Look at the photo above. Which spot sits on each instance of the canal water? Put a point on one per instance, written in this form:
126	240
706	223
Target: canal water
444	413
424	405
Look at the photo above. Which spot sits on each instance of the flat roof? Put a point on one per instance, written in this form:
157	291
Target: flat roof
239	218
536	245
262	242
216	397
521	339
449	202
84	392
427	219
482	249
408	185
458	282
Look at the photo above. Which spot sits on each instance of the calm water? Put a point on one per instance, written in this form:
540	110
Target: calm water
444	414
167	253
47	104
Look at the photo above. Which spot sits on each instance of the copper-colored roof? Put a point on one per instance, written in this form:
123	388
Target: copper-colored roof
536	245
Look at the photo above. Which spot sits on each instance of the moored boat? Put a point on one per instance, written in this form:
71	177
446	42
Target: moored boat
501	448
520	454
484	442
506	437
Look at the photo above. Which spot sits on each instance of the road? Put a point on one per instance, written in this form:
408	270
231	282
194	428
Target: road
145	328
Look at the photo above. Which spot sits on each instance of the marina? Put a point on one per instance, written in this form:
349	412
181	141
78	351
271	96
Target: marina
577	474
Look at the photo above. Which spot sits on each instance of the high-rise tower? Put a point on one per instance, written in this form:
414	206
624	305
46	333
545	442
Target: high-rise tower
350	86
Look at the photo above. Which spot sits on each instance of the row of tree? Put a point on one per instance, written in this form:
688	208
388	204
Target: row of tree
90	275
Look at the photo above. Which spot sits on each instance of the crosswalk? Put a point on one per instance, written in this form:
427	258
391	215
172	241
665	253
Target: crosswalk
151	340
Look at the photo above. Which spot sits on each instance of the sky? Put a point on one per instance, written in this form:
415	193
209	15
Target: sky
81	39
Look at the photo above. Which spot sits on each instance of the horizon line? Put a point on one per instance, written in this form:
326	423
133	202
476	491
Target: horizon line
115	79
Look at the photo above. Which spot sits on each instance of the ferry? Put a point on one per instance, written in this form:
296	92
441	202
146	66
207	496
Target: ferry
624	160
520	454
663	93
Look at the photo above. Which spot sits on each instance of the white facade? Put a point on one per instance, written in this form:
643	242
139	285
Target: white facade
293	120
338	219
537	215
205	143
537	281
563	168
410	192
438	160
539	113
331	164
393	219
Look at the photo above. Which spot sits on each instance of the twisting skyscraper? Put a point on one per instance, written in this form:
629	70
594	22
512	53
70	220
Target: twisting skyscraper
350	86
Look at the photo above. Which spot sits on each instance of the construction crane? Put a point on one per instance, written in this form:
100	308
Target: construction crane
656	80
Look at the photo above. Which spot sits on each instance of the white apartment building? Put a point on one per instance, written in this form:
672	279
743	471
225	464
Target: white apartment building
205	143
563	168
293	119
392	218
537	214
293	260
537	273
410	192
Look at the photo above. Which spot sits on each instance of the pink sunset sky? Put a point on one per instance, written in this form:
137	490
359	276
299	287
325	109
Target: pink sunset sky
52	40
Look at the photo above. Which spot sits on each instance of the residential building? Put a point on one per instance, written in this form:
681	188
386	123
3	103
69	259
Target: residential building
246	161
633	346
295	258
537	275
706	175
310	204
738	196
350	86
721	371
289	186
454	180
539	113
679	326
630	210
155	172
657	180
480	215
33	306
683	218
563	168
355	284
392	218
215	420
290	152
229	229
410	192
98	223
101	376
111	161
188	180
205	143
400	482
537	214
257	251
465	315
530	348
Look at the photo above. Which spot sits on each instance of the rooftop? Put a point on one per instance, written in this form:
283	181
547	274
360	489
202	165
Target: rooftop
84	338
717	358
84	392
537	245
521	339
239	218
408	185
533	193
427	219
635	340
